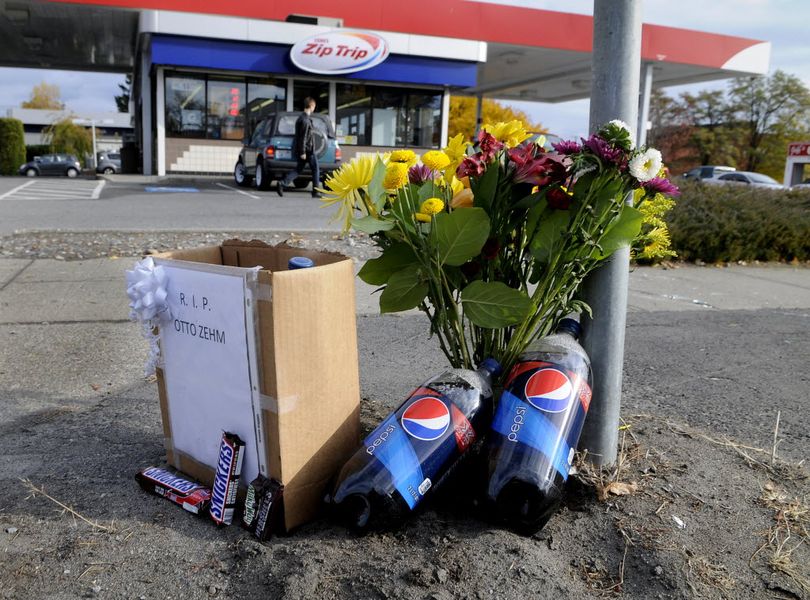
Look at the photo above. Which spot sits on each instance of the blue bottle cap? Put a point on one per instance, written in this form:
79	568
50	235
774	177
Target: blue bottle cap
491	365
570	326
300	262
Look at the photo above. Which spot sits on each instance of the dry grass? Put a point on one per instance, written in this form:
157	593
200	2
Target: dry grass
38	491
700	571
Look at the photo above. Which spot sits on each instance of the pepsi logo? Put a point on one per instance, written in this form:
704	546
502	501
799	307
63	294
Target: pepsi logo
427	418
549	390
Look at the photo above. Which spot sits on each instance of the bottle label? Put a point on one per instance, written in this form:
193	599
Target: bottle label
544	407
419	441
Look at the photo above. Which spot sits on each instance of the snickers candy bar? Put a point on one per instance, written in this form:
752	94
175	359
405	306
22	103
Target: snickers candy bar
193	497
226	480
267	516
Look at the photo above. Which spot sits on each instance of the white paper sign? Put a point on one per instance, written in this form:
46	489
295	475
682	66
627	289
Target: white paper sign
207	362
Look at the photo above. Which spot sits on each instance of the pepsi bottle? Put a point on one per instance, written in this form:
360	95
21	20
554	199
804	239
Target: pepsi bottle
414	448
536	430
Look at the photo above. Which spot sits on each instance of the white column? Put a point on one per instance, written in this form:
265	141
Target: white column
644	113
160	122
290	94
333	102
146	111
445	118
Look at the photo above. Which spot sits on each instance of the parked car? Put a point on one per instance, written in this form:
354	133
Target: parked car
746	178
267	155
108	163
52	164
707	172
804	185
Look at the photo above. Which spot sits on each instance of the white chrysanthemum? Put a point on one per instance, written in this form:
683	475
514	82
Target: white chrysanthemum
646	165
620	123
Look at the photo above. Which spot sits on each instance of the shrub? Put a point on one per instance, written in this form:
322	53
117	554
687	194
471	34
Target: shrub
36	150
12	146
727	223
68	138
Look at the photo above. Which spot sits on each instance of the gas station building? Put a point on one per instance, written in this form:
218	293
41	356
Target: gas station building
205	73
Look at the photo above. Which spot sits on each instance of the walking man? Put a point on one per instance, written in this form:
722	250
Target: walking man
304	151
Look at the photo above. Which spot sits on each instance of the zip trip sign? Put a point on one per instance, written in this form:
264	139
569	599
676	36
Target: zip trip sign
339	52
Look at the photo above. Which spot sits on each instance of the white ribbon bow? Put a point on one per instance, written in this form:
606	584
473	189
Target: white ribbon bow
147	288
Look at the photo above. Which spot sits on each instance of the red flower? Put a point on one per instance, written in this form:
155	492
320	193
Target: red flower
558	199
491	249
471	166
539	169
489	145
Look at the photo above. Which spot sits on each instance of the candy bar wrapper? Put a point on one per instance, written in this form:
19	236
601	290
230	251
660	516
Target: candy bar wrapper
193	497
226	480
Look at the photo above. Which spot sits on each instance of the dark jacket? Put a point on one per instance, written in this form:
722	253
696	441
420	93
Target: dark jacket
304	141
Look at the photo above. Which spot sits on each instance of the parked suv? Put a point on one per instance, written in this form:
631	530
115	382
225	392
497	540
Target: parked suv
108	163
52	164
267	155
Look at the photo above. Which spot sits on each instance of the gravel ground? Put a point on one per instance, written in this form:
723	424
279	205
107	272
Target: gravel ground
72	245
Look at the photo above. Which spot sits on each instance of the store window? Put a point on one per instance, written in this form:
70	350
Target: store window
388	117
185	106
266	97
353	126
319	90
424	120
226	109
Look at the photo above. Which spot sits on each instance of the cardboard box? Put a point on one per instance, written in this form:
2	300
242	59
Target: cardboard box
307	345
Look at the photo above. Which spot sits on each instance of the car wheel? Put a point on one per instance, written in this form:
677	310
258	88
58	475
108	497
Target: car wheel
72	173
31	173
262	177
109	171
240	175
300	183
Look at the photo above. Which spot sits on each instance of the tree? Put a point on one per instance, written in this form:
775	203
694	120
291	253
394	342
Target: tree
66	137
12	146
766	112
708	114
45	96
122	100
671	131
462	115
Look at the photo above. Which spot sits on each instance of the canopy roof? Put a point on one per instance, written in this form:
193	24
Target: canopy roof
530	54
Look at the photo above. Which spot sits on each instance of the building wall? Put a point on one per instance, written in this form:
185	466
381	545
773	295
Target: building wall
186	155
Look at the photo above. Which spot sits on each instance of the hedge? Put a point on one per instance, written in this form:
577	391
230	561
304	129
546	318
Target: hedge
730	223
12	146
36	150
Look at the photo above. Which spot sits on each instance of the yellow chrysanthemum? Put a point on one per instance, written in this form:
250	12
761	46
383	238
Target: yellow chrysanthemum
407	157
343	186
656	244
511	133
432	206
435	159
423	217
396	175
464	199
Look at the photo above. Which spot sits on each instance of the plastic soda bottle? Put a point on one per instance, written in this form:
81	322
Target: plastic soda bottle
414	448
536	429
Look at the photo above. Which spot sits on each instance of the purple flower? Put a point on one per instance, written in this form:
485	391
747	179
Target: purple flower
660	185
419	174
567	147
607	153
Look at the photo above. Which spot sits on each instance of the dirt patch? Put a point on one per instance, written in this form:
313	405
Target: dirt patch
682	515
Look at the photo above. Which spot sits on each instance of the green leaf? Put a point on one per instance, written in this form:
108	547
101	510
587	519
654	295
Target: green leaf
405	290
621	232
460	235
370	225
396	257
428	190
376	191
494	304
484	187
550	234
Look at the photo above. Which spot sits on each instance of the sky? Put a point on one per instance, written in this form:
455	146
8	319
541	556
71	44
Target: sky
784	23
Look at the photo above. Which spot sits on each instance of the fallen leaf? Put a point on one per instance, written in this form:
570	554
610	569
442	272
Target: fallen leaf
618	488
96	387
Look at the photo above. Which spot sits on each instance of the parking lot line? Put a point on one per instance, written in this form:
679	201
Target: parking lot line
97	190
17	189
238	191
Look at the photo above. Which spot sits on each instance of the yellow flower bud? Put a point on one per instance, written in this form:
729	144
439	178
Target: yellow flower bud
464	199
423	217
435	159
396	175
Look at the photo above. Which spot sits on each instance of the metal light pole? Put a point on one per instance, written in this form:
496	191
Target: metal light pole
614	95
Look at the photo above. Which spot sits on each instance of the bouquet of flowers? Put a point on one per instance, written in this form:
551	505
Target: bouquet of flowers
493	240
